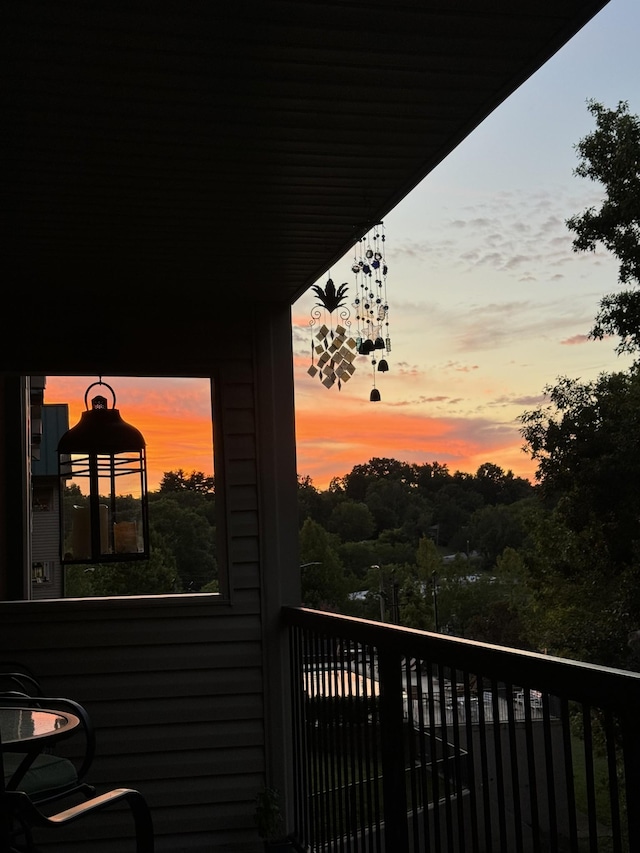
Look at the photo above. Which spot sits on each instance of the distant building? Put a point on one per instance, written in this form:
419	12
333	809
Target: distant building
46	569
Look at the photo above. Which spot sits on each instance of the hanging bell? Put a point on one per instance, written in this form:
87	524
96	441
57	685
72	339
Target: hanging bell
383	365
374	397
378	343
366	347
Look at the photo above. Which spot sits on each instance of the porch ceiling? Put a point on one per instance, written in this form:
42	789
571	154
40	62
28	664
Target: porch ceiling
199	148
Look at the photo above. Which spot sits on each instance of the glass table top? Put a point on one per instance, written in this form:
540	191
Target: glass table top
21	725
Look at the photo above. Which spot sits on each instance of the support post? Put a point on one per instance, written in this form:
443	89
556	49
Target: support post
392	745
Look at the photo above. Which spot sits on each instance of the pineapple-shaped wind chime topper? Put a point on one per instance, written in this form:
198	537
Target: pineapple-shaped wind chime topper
333	349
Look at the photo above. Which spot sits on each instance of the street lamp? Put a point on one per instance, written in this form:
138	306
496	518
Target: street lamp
381	593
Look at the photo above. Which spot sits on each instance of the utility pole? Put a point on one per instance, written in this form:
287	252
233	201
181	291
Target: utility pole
434	581
395	604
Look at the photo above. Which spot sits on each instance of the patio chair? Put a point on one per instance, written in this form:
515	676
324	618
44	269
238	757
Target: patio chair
49	779
18	808
15	678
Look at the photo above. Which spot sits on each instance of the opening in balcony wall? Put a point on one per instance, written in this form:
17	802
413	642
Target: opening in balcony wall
175	416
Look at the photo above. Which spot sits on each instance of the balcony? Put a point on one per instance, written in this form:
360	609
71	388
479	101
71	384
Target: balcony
411	741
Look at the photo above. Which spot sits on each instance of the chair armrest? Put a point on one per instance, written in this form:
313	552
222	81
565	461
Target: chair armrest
26	811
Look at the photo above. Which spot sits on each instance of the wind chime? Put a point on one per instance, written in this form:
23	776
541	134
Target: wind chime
333	348
371	304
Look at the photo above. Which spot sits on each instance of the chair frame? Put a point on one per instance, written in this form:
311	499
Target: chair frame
19	807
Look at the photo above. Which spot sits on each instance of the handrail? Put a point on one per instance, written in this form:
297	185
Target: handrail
454	734
614	687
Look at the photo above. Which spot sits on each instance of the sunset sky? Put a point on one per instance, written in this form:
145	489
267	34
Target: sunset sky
488	302
173	415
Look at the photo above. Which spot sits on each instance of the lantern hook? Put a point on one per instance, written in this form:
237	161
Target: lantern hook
93	384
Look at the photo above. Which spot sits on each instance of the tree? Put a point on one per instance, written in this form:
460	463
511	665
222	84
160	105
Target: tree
356	483
584	441
352	521
311	502
585	560
491	529
584	556
155	576
416	587
486	606
454	505
583	605
324	584
610	155
430	477
178	481
499	487
428	559
186	531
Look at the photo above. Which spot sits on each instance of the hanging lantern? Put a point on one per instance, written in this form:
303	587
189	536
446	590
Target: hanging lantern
105	458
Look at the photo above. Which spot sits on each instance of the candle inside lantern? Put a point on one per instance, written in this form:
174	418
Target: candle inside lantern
81	532
125	537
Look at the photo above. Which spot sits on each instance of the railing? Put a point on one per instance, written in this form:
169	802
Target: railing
411	741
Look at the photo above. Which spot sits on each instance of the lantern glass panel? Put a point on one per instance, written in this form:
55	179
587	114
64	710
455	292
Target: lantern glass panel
106	520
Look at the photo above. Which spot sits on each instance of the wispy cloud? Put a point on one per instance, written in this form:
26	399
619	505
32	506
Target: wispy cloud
507	231
575	340
459	368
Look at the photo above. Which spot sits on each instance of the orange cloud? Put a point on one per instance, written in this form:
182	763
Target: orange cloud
173	415
332	441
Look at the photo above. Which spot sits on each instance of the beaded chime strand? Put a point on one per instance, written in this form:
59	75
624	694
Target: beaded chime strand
371	305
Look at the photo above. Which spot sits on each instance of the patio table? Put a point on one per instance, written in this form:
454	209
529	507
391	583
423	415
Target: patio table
30	730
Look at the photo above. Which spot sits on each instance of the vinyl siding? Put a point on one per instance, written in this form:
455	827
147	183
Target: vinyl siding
174	685
189	693
46	542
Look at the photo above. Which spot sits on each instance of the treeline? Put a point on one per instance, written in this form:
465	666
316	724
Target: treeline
488	556
182	534
421	546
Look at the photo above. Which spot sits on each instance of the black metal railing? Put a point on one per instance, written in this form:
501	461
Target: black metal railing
411	741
